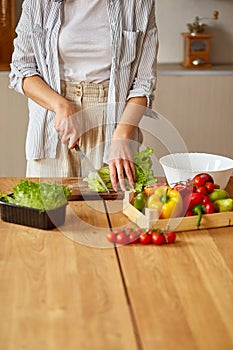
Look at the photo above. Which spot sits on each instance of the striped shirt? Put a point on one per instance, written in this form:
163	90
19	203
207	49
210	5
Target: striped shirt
133	68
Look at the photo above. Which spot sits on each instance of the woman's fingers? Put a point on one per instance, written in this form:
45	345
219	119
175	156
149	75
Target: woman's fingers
121	163
113	175
119	170
68	130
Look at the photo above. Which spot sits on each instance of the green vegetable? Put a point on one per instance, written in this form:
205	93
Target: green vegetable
38	195
198	210
222	205
143	171
140	201
94	184
218	194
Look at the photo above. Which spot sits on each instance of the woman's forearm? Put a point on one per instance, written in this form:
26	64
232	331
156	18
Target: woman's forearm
131	117
35	88
65	121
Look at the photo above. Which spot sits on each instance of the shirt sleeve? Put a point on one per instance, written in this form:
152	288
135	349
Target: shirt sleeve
145	81
23	63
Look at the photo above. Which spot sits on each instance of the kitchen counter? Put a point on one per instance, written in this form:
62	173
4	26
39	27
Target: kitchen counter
167	69
70	289
178	69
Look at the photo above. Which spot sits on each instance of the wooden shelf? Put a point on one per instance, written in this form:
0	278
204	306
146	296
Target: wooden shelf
7	32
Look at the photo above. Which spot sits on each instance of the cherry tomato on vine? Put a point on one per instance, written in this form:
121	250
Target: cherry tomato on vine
133	237
157	238
170	237
202	190
122	238
150	231
209	186
111	236
128	230
200	179
145	238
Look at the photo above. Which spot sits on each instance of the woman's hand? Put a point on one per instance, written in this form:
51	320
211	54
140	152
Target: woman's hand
66	124
120	157
121	164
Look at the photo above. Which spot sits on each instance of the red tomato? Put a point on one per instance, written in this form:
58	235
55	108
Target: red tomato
209	186
128	230
201	190
184	189
157	238
170	237
145	238
200	179
207	177
122	238
133	237
150	231
111	236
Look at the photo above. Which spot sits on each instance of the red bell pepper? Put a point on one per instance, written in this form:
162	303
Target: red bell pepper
185	189
198	204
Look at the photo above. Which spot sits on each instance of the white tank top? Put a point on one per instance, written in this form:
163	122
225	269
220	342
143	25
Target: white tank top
84	42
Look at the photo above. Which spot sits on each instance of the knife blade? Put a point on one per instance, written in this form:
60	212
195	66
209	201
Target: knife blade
90	166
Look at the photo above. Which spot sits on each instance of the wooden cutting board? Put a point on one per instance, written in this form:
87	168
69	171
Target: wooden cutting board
81	191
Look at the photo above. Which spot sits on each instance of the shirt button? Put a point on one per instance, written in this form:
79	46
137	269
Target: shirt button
79	86
78	93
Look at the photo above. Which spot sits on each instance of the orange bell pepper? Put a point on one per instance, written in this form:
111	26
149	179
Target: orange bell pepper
167	201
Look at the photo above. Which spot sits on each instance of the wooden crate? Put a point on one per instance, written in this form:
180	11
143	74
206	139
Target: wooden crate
151	218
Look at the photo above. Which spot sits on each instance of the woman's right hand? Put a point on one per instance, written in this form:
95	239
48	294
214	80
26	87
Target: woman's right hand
66	123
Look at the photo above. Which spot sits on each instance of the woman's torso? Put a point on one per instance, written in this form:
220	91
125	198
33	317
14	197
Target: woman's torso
84	42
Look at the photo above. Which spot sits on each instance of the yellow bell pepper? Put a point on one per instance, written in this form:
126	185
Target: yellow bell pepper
167	201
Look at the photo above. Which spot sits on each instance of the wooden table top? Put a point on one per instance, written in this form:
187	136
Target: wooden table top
70	289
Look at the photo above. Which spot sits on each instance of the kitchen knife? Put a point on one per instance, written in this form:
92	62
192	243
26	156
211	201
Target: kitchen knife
90	166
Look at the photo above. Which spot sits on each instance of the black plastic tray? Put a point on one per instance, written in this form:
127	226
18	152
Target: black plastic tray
42	219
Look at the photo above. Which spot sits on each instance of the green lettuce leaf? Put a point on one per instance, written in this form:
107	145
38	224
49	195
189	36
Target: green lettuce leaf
144	173
38	195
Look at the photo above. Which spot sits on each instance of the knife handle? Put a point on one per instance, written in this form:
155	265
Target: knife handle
78	149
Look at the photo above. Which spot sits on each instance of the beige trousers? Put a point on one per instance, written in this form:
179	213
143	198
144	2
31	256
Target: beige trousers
90	102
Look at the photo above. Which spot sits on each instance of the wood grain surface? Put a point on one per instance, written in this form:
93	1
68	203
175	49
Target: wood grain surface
58	294
180	294
71	289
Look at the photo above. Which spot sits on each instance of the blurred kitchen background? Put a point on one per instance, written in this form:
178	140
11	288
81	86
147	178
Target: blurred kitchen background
197	101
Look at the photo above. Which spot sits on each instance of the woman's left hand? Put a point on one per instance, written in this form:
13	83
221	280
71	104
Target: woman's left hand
121	164
120	157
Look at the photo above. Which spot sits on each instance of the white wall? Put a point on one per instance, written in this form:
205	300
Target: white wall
172	17
13	126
